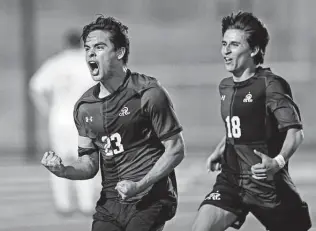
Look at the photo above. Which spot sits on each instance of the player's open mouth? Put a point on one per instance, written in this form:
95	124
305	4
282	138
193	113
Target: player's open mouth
227	60
94	67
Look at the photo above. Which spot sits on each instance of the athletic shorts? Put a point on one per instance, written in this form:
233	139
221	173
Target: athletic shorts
290	216
115	215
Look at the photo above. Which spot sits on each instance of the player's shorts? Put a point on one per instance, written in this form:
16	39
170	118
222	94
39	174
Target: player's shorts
289	216
116	215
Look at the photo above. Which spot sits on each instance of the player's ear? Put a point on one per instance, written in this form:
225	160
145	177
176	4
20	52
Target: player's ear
254	51
120	52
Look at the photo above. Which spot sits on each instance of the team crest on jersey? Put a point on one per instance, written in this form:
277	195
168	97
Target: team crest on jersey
248	98
124	111
215	196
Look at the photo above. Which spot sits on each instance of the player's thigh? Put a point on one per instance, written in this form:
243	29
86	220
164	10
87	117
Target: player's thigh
105	226
287	218
222	207
213	218
150	218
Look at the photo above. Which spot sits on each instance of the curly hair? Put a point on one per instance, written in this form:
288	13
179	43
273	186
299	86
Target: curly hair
119	33
257	33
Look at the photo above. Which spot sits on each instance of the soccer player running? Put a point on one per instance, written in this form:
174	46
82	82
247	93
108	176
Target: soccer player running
55	89
263	130
128	121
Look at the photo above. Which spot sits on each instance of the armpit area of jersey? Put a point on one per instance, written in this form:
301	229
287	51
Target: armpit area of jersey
85	151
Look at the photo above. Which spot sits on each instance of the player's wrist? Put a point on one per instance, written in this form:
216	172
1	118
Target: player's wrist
216	154
62	172
141	185
280	161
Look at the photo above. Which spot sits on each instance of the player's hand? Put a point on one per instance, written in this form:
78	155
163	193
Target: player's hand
266	169
127	189
213	162
53	163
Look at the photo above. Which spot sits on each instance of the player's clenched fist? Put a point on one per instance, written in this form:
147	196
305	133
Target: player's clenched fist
53	163
213	162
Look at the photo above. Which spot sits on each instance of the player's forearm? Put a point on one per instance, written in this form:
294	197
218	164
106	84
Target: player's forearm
294	138
163	167
81	170
221	145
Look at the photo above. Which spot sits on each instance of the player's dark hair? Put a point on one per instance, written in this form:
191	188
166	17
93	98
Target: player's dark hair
119	33
257	33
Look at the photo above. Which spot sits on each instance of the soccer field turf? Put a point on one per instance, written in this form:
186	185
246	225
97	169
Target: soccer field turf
26	204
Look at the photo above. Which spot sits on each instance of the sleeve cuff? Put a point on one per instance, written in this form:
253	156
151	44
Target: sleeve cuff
287	127
171	133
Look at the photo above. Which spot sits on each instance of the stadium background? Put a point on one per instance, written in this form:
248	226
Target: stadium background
178	42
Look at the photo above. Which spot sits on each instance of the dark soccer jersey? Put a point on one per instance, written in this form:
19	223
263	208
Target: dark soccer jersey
127	128
257	114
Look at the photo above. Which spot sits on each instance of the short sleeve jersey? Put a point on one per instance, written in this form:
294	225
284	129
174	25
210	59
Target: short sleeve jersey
127	128
256	114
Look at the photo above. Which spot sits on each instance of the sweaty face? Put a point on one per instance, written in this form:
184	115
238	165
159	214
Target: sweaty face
236	51
100	54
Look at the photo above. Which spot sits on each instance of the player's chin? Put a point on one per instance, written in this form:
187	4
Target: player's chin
96	77
229	68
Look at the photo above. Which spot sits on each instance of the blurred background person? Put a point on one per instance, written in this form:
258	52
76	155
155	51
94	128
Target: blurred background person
54	89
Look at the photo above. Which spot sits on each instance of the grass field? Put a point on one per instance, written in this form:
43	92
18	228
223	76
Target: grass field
26	204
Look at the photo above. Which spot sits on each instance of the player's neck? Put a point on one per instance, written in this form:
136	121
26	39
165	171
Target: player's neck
112	81
245	74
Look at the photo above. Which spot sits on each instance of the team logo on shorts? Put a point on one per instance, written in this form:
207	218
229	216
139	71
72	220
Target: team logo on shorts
124	111
215	196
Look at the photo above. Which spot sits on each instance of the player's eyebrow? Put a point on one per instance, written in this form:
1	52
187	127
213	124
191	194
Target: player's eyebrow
231	42
100	43
235	42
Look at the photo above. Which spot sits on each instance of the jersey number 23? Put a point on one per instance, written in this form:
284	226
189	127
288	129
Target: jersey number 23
111	149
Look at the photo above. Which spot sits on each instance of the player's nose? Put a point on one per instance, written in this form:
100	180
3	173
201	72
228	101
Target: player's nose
227	50
91	53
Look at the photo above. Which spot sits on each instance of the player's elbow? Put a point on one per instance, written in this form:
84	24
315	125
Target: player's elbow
174	148
178	156
179	152
93	171
89	174
92	176
297	136
300	136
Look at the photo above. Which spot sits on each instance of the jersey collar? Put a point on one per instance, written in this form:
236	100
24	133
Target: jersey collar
97	88
259	71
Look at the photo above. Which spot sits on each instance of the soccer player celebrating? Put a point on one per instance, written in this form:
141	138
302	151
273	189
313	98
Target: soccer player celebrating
263	130
128	121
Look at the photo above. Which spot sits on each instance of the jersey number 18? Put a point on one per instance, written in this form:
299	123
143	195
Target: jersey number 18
233	127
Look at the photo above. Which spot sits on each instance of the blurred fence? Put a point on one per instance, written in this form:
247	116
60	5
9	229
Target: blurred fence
176	41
